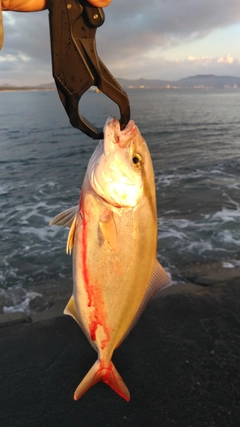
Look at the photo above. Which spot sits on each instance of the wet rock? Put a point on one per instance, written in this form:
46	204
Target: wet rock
55	311
212	273
5	300
11	319
39	303
207	280
180	362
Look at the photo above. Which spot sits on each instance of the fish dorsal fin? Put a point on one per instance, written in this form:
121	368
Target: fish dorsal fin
71	234
159	281
107	228
65	218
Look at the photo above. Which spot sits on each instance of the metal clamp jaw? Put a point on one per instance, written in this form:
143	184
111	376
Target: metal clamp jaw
75	63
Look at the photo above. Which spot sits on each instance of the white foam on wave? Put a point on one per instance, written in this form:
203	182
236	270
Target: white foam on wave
172	233
200	246
43	233
212	178
233	264
9	272
23	306
6	188
17	298
174	224
216	234
173	178
226	215
226	264
230	237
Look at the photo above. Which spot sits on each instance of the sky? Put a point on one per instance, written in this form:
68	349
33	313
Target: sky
152	39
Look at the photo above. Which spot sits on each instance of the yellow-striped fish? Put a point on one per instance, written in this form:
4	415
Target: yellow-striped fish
114	239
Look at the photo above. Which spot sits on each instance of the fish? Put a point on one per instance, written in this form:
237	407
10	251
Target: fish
113	241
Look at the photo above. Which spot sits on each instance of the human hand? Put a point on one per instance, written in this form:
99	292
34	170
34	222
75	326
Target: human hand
36	5
24	5
100	3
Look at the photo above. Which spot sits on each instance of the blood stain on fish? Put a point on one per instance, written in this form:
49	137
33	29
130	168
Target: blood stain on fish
95	300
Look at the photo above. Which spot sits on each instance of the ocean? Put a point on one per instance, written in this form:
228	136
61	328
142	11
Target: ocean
194	140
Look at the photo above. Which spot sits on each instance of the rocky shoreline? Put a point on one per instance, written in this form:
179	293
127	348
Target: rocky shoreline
51	301
181	363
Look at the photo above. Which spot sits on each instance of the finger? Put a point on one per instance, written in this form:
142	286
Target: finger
24	5
100	3
36	5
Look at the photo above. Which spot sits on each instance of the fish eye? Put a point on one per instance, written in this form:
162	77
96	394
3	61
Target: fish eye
136	159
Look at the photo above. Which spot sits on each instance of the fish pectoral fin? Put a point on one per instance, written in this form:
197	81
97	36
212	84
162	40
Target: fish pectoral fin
70	239
159	281
107	374
65	218
108	229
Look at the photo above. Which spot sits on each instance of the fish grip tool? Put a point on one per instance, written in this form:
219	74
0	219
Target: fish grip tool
75	62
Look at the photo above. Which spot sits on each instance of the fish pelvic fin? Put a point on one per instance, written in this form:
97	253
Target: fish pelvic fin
70	240
108	374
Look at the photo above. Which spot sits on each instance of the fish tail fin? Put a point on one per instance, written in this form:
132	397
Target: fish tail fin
107	374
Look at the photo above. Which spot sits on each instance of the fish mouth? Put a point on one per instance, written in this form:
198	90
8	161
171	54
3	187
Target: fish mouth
121	137
129	129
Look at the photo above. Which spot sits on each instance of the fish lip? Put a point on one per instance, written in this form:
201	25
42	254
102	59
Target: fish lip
123	137
130	128
114	136
114	124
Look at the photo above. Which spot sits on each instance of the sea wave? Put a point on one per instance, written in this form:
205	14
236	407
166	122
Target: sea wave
43	161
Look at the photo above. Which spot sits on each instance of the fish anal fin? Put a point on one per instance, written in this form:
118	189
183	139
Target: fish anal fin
107	228
159	281
107	374
71	234
65	218
70	310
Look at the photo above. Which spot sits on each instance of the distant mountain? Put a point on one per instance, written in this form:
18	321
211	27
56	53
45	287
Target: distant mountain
209	80
8	87
126	83
205	81
47	86
192	82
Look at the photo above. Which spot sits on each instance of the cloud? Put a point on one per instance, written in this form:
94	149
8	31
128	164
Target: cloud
161	68
205	61
154	23
26	38
132	41
202	65
227	60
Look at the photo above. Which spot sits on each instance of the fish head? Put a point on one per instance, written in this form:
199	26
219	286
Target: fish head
118	167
